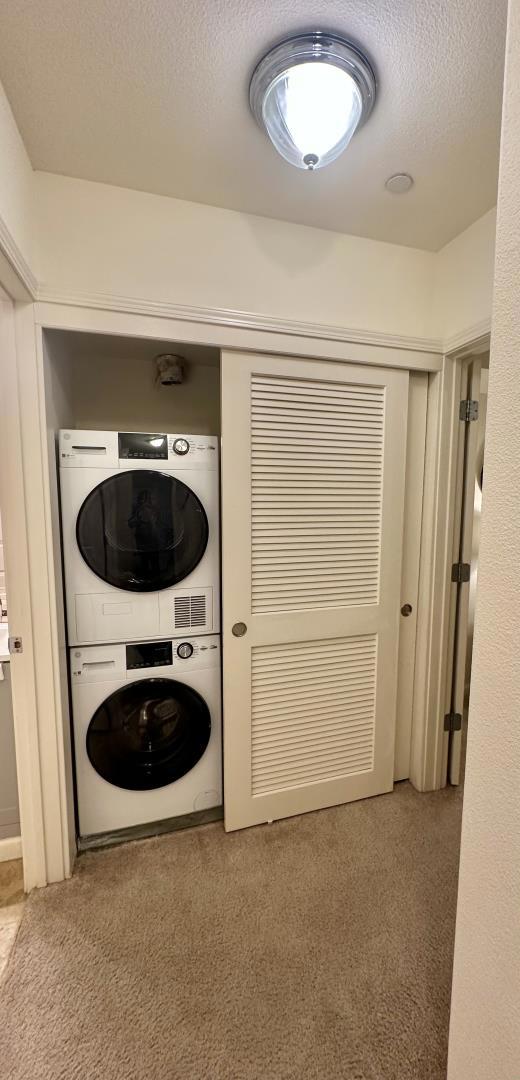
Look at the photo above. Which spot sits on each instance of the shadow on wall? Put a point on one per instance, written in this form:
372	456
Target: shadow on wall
289	248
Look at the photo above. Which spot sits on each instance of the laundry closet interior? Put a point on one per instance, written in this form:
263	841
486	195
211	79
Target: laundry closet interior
252	530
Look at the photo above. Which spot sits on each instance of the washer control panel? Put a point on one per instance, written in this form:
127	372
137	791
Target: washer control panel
148	654
193	450
144	659
170	657
142	446
81	449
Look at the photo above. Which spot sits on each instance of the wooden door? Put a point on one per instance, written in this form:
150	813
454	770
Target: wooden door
313	473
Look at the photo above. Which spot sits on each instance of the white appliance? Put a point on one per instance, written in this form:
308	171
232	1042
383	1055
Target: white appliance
140	520
147	731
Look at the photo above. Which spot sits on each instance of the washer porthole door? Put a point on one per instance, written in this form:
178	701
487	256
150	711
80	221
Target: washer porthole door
142	531
148	734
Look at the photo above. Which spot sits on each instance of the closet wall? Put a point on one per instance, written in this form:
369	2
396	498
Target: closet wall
110	383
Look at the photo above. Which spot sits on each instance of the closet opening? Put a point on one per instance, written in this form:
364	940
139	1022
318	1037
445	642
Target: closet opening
133	433
99	383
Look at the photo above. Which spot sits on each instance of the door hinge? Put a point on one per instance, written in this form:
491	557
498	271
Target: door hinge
460	572
15	645
453	721
468	410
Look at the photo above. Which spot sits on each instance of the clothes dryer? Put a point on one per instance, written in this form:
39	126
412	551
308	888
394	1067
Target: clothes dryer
140	521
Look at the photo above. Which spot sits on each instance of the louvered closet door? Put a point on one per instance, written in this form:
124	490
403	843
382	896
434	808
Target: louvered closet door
313	458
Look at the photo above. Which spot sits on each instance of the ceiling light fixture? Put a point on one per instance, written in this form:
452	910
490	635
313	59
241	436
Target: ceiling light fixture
310	94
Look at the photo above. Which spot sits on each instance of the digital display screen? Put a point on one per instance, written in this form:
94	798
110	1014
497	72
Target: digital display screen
149	654
143	446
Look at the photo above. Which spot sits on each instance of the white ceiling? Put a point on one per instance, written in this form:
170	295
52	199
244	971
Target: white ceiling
152	94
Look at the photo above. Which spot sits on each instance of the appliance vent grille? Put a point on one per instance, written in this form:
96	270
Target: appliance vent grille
313	711
190	612
316	492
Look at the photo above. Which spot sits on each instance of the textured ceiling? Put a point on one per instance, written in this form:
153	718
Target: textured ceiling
152	94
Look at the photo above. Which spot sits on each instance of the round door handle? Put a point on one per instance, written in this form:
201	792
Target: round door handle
239	629
406	610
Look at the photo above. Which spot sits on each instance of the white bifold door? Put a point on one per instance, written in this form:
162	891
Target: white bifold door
313	460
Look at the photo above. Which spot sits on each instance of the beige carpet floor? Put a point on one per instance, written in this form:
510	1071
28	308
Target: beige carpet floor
312	949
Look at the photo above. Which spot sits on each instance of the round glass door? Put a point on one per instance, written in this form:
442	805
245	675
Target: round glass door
148	734
142	531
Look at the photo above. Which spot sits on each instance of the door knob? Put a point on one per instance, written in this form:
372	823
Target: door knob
406	610
239	629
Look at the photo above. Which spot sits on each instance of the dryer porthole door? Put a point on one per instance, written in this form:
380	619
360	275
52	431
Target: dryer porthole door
142	531
148	734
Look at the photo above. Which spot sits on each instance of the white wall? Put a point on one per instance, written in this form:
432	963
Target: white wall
106	384
463	292
16	186
124	395
3	591
57	386
485	1022
98	239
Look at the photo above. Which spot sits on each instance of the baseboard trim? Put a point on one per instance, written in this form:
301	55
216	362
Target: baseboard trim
10	848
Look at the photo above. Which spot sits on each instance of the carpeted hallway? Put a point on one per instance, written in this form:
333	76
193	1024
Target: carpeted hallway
312	949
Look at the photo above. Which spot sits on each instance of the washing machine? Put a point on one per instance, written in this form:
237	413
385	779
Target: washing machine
147	731
140	523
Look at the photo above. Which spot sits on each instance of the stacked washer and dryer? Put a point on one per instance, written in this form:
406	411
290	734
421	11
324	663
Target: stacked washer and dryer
140	522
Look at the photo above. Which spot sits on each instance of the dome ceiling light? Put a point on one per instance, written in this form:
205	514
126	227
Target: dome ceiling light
310	94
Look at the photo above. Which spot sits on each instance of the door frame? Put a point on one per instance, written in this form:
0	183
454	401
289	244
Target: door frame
18	521
410	569
44	786
437	592
462	552
44	764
